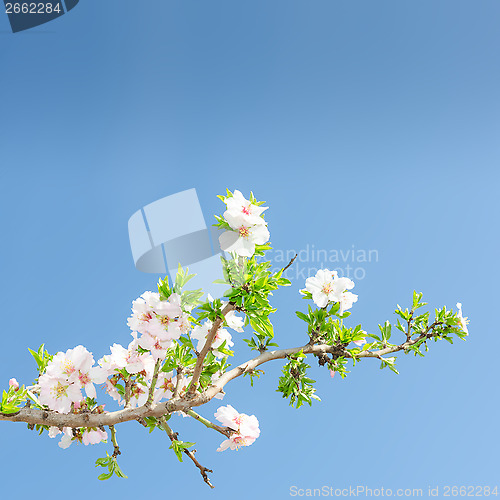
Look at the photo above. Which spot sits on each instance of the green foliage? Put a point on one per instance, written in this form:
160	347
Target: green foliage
189	298
252	374
12	399
111	464
258	282
295	384
179	446
42	358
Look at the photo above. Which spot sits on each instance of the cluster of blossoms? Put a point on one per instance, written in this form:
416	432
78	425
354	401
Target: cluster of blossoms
66	375
60	388
246	428
140	364
85	436
248	227
327	287
159	322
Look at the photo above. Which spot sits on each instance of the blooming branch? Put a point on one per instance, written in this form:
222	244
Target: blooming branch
163	371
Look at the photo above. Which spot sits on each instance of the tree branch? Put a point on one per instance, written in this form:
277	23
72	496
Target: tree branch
208	344
51	418
289	264
173	437
226	431
153	383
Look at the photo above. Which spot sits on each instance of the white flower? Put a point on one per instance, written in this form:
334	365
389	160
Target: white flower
66	374
327	287
129	358
250	213
94	436
347	300
58	393
152	315
166	384
246	427
243	238
67	437
463	321
200	333
234	322
157	347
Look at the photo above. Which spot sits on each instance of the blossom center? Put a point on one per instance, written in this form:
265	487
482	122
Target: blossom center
59	390
84	378
244	231
68	367
327	288
246	210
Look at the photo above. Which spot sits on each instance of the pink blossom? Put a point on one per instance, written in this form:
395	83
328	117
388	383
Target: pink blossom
200	334
360	342
94	436
14	383
246	427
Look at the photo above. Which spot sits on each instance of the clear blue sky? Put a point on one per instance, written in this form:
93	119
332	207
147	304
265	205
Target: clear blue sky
373	124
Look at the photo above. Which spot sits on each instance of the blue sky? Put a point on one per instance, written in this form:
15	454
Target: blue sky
373	124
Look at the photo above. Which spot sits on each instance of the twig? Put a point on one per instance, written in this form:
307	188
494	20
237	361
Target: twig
153	383
208	344
51	418
116	450
178	380
173	437
289	264
128	384
226	431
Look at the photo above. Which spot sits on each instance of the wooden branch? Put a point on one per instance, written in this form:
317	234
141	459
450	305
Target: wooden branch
208	344
35	416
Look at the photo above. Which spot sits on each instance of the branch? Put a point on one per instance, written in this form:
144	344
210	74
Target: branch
208	344
153	383
226	431
178	381
173	437
128	385
51	418
116	450
289	264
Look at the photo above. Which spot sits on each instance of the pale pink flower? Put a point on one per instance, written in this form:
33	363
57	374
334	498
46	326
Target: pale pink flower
326	287
14	383
166	385
246	427
243	237
200	333
234	322
360	342
93	436
67	437
58	393
129	358
346	301
238	206
150	315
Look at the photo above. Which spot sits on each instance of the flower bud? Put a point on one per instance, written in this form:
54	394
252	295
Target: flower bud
14	383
